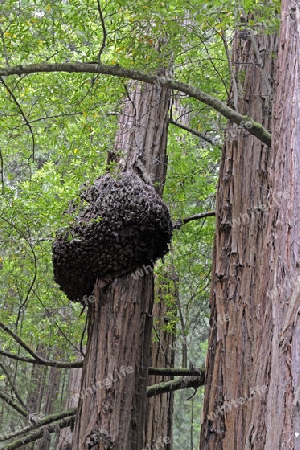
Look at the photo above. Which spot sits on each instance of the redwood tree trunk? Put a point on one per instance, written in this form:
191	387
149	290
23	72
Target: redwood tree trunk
111	412
73	391
158	430
244	378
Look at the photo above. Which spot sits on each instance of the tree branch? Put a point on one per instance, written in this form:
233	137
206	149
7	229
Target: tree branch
50	423
103	31
175	372
20	342
194	132
181	222
175	385
48	420
13	404
41	432
36	358
43	362
11	382
14	98
254	128
2	172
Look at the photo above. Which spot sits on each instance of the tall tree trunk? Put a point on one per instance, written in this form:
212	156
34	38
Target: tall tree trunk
241	360
38	384
112	411
158	430
73	391
51	395
280	277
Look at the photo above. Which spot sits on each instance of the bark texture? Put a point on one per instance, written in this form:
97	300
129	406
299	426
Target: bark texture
51	395
141	139
113	392
73	391
112	409
158	430
281	330
237	413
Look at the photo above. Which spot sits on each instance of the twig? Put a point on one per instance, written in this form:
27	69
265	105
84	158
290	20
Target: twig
12	95
181	222
194	132
231	71
2	172
103	31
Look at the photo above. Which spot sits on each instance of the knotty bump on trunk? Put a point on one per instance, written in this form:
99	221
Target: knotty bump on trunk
118	225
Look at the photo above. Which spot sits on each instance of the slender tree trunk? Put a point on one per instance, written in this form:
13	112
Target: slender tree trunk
38	383
243	349
158	429
73	391
112	410
51	394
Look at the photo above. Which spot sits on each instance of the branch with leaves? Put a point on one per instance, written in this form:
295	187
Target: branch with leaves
254	128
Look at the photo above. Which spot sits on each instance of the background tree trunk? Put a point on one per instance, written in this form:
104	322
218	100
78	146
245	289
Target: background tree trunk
74	385
239	361
120	321
160	407
51	395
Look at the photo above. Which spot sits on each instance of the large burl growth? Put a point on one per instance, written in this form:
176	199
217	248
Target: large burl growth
119	225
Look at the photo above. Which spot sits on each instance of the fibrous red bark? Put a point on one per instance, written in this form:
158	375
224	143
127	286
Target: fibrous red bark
112	408
239	359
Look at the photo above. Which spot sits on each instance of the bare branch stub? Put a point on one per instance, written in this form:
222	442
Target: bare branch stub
119	225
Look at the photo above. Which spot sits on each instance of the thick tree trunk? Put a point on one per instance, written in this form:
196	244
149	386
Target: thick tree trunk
113	393
112	410
280	355
243	349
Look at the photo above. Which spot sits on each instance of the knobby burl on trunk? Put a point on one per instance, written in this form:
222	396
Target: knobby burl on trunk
119	224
